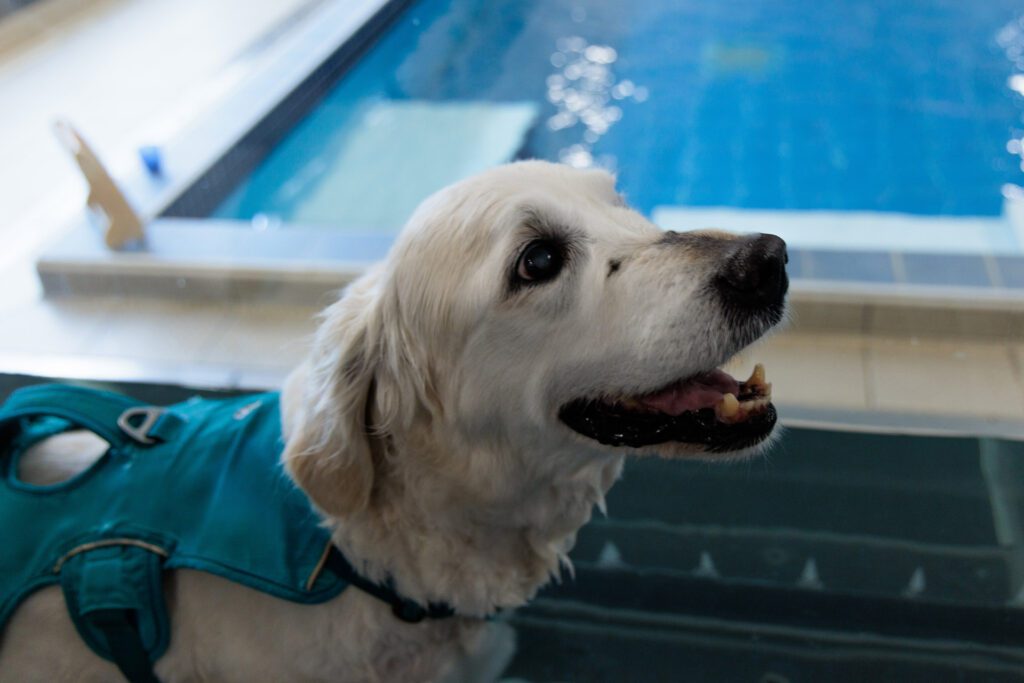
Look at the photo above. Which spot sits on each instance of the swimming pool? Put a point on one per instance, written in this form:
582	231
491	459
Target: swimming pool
883	141
902	107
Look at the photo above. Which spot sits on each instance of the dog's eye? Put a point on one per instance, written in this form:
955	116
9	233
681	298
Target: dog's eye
540	261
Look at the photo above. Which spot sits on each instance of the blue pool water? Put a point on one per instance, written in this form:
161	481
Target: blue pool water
797	104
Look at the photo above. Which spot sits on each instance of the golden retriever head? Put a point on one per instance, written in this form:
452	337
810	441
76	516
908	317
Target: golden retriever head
527	321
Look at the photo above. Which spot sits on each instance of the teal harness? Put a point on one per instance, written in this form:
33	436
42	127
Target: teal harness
195	485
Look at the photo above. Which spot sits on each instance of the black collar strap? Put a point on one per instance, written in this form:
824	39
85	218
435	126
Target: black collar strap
405	609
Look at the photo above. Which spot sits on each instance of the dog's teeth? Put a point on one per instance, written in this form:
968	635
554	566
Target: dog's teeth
757	376
729	406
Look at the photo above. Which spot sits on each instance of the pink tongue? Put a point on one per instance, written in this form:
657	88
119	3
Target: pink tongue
702	391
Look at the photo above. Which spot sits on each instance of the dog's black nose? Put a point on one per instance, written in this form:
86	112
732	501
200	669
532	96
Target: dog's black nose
755	274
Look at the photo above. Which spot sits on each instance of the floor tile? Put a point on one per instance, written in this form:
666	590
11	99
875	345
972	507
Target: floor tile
849	266
158	330
1011	271
267	336
940	323
58	326
942	377
946	269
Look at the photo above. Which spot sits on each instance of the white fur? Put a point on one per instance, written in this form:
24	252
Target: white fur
424	426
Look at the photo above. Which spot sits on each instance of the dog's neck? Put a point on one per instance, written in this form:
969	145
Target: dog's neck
476	554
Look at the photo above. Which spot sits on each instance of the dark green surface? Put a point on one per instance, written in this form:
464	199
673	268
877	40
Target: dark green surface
838	557
615	648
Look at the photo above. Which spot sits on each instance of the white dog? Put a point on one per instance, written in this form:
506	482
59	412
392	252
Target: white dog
466	405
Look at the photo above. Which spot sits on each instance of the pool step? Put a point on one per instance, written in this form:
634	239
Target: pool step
721	635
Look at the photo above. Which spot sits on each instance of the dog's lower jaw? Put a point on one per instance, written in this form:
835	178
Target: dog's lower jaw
477	560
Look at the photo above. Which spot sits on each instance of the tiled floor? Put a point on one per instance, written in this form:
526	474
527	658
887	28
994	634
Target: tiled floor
274	337
164	341
976	379
101	64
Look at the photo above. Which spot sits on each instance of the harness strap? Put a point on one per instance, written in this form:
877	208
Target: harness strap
115	418
125	644
114	596
405	609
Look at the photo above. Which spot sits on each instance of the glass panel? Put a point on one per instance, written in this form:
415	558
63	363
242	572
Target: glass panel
841	543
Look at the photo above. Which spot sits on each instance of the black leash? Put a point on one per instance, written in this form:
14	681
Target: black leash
406	610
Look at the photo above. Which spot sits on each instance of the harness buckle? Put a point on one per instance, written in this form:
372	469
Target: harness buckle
140	432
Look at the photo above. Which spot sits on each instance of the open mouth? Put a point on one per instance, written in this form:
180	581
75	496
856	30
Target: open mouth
711	409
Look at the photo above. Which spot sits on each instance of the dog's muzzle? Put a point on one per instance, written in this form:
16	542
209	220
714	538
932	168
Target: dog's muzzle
709	409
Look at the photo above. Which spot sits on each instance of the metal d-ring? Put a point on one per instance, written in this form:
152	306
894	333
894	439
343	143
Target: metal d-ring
140	433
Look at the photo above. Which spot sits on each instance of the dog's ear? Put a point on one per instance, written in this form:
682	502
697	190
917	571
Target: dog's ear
333	448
